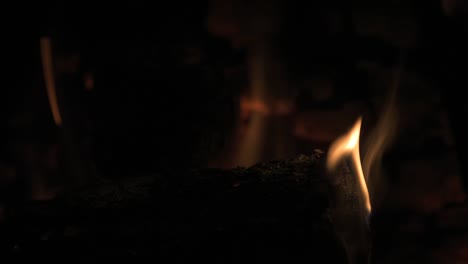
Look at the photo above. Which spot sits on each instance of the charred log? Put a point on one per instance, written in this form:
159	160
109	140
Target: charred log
272	212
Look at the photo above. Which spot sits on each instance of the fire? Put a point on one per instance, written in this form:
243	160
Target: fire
46	55
347	146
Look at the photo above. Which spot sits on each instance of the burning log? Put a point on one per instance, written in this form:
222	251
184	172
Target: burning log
273	211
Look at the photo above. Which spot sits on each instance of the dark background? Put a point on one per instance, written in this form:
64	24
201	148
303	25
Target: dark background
151	108
169	78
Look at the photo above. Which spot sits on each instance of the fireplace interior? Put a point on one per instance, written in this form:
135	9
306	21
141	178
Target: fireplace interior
200	131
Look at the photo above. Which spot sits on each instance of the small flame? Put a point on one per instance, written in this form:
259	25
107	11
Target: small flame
348	146
46	55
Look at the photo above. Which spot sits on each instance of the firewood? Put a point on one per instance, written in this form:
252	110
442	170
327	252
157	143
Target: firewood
273	211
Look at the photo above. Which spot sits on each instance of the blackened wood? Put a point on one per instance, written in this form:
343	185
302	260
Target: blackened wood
274	211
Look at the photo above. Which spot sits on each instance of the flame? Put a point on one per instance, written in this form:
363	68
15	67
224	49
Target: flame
381	136
348	146
46	55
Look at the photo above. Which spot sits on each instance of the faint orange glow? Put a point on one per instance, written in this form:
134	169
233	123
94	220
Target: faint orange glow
248	105
46	55
279	107
348	146
88	82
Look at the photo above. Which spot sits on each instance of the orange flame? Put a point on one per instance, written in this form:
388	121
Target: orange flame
348	146
46	55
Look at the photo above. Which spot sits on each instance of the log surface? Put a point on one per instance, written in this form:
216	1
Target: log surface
274	211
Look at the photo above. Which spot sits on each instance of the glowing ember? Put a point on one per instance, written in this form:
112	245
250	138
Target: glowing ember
348	146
